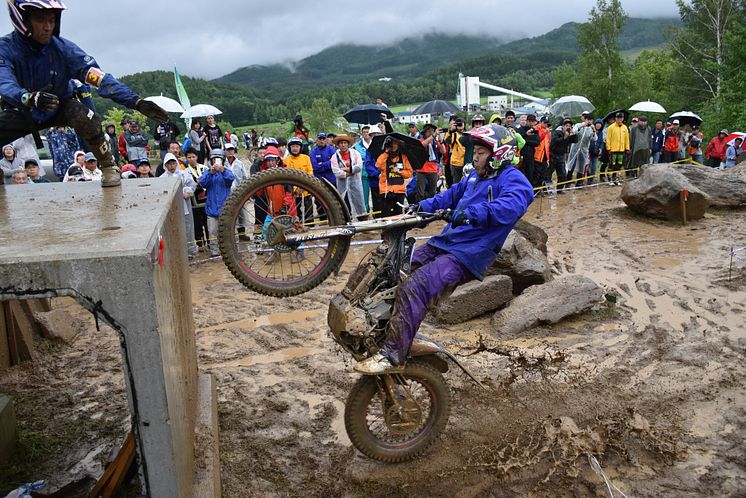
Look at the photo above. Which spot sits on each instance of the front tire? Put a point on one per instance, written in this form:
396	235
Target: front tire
276	270
368	403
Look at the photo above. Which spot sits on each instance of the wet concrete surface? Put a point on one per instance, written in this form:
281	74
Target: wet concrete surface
88	219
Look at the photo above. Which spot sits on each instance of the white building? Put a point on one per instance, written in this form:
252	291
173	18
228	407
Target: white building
407	118
496	103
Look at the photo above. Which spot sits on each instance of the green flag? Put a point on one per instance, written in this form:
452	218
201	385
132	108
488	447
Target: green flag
183	97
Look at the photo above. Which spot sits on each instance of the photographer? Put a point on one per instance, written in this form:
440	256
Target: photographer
217	182
395	168
300	130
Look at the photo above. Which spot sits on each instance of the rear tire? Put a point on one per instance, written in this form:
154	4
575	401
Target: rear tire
331	258
398	448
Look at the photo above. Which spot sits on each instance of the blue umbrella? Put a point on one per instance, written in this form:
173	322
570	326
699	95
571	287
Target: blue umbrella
367	114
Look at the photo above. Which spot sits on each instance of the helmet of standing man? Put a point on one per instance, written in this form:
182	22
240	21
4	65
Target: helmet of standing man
19	11
497	138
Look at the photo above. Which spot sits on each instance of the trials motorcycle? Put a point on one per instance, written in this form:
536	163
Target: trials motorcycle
302	233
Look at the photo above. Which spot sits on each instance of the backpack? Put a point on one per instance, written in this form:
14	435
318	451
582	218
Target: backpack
187	144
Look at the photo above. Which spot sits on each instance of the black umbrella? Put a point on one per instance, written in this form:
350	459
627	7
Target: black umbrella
436	107
367	114
686	117
613	113
411	147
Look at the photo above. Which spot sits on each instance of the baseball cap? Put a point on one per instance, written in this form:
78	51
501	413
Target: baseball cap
30	160
460	120
643	118
675	121
321	135
90	157
544	119
144	161
230	146
619	115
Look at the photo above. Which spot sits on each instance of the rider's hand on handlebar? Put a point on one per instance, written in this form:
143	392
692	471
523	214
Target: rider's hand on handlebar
455	218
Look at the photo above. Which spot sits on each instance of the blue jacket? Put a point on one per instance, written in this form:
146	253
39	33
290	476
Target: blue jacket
493	205
218	186
26	68
321	160
658	137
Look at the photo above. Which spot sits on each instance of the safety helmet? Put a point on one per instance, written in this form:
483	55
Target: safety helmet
217	153
269	141
19	11
272	152
129	167
477	117
295	140
497	138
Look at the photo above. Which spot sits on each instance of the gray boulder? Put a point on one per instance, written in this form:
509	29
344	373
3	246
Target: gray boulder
534	234
474	299
656	192
725	188
548	303
522	261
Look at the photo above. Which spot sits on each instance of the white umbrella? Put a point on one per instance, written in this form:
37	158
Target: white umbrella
648	106
201	110
165	103
571	105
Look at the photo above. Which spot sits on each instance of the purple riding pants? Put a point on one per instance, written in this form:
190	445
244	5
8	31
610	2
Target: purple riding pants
434	271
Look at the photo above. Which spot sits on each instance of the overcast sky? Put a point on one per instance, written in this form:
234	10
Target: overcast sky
210	39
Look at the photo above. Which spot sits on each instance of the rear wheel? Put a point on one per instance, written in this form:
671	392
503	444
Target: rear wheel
385	431
260	211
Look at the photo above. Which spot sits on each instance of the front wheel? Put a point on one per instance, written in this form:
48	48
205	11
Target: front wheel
257	216
397	432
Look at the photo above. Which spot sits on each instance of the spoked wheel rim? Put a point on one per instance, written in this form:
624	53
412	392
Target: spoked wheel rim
253	222
378	417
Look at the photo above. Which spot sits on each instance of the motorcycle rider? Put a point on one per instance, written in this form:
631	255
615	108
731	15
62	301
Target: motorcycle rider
486	205
37	67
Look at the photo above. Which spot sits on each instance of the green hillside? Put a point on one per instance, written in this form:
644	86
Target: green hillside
348	63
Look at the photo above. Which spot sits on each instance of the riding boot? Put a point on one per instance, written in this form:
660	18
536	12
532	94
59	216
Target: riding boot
111	174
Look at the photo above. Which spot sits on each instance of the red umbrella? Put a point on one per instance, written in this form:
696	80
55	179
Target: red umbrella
733	136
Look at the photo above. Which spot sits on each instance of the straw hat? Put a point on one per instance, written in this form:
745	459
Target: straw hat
345	138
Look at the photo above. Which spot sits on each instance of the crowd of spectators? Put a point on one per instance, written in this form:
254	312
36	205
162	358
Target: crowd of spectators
371	184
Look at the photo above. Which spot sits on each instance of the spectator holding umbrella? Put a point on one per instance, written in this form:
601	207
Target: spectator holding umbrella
731	154
671	139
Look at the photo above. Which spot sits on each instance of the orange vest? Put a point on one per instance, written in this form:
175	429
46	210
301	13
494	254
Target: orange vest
542	151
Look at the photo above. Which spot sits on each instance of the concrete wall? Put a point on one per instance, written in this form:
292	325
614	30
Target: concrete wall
101	246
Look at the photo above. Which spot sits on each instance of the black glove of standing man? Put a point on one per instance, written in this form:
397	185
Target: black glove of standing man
151	110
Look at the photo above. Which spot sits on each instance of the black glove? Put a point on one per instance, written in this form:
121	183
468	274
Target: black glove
456	218
45	102
151	110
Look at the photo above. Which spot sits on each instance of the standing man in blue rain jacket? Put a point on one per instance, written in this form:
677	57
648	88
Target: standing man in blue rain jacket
321	159
486	205
37	67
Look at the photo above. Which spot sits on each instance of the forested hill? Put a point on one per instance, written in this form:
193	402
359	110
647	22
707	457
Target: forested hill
413	57
348	75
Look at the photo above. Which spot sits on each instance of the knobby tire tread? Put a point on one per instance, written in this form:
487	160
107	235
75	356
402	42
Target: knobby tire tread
359	399
235	201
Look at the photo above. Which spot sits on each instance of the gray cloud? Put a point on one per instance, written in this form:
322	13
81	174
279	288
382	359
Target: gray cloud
210	39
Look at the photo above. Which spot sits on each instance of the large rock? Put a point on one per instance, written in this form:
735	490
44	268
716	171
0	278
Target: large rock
534	234
522	261
656	193
548	303
725	188
474	299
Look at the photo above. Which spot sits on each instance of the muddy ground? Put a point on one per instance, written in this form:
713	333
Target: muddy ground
652	386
